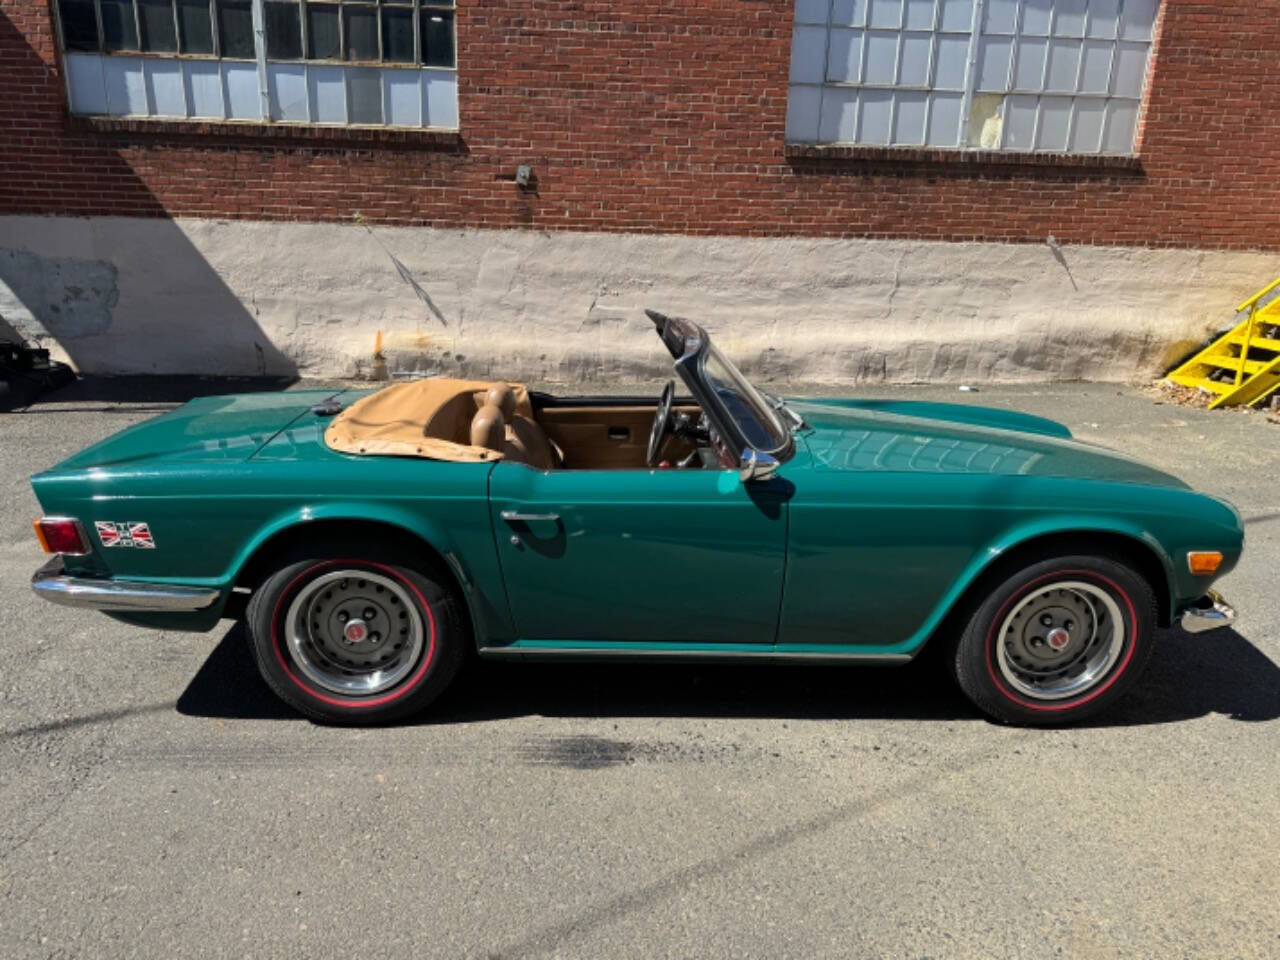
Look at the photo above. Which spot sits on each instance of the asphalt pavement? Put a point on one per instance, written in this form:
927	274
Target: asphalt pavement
156	801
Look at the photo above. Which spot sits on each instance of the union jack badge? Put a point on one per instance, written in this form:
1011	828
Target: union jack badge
113	534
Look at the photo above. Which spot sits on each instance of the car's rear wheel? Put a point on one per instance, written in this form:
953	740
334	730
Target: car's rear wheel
356	639
1057	641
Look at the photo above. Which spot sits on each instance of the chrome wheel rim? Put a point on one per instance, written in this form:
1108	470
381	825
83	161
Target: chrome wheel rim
354	632
1060	640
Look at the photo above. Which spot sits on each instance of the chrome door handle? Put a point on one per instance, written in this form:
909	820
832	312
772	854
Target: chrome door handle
513	516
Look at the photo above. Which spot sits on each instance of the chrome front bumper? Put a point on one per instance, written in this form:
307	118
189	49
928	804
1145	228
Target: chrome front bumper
1210	613
121	596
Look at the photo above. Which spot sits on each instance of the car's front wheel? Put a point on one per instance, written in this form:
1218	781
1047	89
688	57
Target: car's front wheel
352	639
1057	641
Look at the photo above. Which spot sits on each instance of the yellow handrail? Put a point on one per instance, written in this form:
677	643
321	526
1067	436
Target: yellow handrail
1258	296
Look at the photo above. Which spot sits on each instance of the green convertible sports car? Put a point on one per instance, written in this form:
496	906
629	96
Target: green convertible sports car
371	539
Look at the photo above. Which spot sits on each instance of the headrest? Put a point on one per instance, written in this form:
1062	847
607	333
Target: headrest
488	429
503	397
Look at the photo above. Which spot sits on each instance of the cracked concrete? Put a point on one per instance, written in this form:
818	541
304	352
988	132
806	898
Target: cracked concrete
246	298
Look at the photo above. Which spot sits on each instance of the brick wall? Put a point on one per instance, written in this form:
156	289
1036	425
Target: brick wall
667	116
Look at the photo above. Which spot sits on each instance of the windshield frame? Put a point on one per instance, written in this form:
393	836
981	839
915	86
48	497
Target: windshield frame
690	347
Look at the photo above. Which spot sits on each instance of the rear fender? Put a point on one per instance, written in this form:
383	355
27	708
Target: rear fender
475	568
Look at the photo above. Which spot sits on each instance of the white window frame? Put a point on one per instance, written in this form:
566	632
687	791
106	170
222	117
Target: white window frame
149	84
818	109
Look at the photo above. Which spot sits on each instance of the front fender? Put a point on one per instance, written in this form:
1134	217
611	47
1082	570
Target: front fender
1027	533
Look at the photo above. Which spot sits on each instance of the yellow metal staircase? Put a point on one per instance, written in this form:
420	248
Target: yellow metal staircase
1242	366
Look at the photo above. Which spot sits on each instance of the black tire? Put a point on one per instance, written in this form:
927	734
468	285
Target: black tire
291	660
1012	678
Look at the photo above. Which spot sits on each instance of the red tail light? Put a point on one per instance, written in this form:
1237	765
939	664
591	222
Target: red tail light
62	535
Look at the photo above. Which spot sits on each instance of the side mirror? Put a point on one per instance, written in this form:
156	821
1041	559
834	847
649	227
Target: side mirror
756	466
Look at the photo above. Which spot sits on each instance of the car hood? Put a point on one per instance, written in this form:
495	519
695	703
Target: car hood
907	436
231	427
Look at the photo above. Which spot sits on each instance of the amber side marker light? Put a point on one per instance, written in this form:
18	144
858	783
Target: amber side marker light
61	535
1204	562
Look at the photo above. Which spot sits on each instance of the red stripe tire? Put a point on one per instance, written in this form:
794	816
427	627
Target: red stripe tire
1057	641
357	637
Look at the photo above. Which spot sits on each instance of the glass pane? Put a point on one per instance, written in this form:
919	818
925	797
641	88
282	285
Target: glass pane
1122	119
235	28
1055	117
1035	17
284	31
944	120
361	26
1028	73
119	32
195	28
919	14
952	60
993	63
1001	16
803	104
845	56
849	13
882	56
839	115
1097	66
322	32
956	15
1130	69
1139	17
909	119
874	123
1103	15
885	13
364	96
1069	21
913	61
79	25
1064	62
811	11
397	35
808	50
1020	123
158	32
437	37
1086	134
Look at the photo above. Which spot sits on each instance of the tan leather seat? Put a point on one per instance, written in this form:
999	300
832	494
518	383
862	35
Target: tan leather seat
488	428
525	440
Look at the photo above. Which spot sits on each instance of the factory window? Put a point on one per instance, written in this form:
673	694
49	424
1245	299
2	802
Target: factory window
370	63
1061	76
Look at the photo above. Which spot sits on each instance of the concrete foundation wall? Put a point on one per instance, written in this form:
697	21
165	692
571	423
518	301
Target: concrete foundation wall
120	295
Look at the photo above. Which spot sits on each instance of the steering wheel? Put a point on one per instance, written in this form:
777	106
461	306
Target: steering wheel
661	421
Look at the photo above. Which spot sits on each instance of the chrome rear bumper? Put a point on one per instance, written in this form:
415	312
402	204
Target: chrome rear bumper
122	596
1210	613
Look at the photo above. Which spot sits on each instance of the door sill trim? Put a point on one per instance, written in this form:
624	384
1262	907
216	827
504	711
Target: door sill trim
724	652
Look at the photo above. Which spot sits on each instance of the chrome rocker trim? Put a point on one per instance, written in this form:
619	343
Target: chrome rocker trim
1211	612
122	596
709	654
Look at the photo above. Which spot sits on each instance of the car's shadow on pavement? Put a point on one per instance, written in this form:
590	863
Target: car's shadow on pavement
1188	677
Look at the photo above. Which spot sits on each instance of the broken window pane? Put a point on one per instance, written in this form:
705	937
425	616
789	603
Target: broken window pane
437	37
235	29
284	31
195	27
79	25
119	32
155	17
322	32
360	25
397	34
364	96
